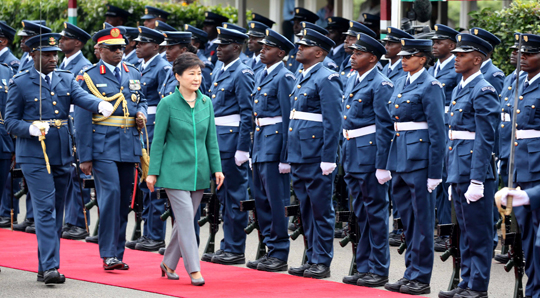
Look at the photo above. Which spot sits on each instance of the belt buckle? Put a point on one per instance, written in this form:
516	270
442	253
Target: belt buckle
57	122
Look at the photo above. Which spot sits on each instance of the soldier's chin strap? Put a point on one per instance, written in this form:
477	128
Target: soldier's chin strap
119	97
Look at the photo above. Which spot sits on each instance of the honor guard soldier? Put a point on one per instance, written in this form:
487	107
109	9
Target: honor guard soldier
328	63
350	38
154	71
153	14
130	53
72	41
110	147
444	41
527	156
256	33
39	123
471	176
116	16
30	29
6	38
372	22
210	24
199	39
336	28
7	150
312	150
300	15
491	73
416	161
243	57
262	19
367	130
271	181
231	96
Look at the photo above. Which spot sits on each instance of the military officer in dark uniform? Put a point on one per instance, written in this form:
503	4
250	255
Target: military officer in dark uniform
271	181
154	71
243	57
256	33
199	39
162	27
367	130
416	161
7	150
230	91
327	62
210	24
30	29
110	147
130	53
491	73
116	16
300	15
474	112
350	38
44	119
312	150
336	28
153	14
6	38
72	41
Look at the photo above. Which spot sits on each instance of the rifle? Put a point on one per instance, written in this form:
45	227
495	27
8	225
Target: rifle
90	184
137	205
168	212
353	235
340	195
24	188
77	165
212	217
15	173
398	225
250	205
294	210
452	250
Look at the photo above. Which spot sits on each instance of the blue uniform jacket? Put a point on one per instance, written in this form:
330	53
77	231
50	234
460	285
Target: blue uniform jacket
212	57
153	78
527	161
206	72
101	142
292	64
507	104
271	99
345	71
10	60
418	149
339	57
25	63
23	104
7	143
327	62
493	75
474	109
231	94
396	73
365	104
258	66
318	92
78	64
448	77
132	58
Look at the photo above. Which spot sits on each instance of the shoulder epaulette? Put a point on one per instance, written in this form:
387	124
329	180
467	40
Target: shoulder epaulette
20	74
62	70
90	67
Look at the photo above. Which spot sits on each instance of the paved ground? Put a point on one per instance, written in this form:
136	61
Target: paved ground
16	283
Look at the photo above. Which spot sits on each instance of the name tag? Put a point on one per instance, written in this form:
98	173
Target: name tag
101	85
134	85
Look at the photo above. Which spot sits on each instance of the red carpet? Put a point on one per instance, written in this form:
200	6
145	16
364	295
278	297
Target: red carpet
80	260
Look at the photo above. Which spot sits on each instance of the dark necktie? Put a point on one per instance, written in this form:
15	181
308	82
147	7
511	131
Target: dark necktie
253	63
48	80
220	73
525	85
63	65
408	82
117	74
459	88
437	70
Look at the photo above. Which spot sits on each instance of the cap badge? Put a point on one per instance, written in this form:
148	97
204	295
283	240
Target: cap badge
525	38
517	36
52	41
402	42
65	25
267	32
22	23
297	10
475	31
146	11
252	15
140	30
164	34
186	27
436	28
389	30
252	25
358	36
218	31
351	24
157	23
206	14
329	20
225	25
115	32
305	32
459	37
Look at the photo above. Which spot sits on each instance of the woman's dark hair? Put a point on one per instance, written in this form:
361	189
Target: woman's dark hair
185	61
430	59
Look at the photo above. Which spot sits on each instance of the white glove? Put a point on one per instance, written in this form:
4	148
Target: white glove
520	197
383	176
475	191
34	130
240	157
328	167
449	193
105	108
250	164
284	168
432	184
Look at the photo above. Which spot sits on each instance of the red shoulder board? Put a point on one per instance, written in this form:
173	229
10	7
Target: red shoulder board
102	69
125	67
79	78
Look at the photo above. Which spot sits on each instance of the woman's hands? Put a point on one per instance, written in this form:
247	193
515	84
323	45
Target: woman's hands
219	179
151	181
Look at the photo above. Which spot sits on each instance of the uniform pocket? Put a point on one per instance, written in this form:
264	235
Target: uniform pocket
417	145
534	156
311	141
465	152
366	150
227	139
98	140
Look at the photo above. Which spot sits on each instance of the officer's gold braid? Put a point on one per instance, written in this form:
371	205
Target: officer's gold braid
119	97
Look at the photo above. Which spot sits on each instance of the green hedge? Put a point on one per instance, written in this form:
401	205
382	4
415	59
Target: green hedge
91	15
519	17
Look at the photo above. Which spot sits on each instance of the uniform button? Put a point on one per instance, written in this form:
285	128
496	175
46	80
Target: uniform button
257	129
389	101
256	101
222	89
502	109
290	128
93	130
351	95
515	143
506	98
68	92
399	95
344	117
170	93
213	96
255	113
518	111
449	126
443	84
56	111
209	90
408	101
230	130
397	106
450	148
348	106
215	84
461	110
299	71
471	151
290	95
159	92
299	86
313	136
533	106
342	73
305	94
290	64
52	93
210	73
397	134
35	99
521	97
265	94
144	84
510	88
452	114
502	125
293	110
420	140
508	104
54	103
296	98
103	93
259	88
292	56
370	142
454	102
359	100
154	122
397	117
162	96
163	85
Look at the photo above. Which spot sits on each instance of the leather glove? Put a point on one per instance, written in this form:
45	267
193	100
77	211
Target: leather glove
520	197
475	191
383	176
432	184
449	193
34	130
105	108
284	168
240	157
328	167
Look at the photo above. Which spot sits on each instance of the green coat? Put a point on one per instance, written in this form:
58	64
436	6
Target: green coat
184	152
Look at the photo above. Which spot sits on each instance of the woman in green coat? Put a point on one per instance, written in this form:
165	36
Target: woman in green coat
184	154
